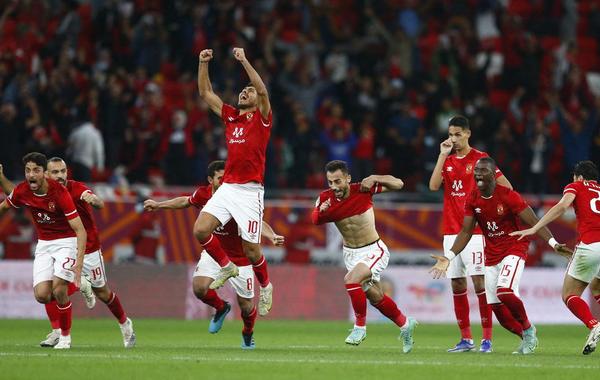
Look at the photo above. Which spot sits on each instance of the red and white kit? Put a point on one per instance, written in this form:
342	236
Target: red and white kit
56	250
241	196
229	237
504	254
585	262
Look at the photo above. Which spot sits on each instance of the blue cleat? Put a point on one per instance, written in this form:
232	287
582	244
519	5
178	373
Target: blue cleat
486	346
465	345
248	342
217	321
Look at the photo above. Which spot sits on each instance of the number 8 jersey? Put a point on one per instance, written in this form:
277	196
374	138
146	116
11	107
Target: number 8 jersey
587	209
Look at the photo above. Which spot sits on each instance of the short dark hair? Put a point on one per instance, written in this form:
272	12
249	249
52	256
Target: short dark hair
459	121
56	159
587	169
37	158
488	160
335	165
214	167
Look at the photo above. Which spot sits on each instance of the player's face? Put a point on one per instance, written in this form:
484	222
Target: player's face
34	175
339	182
247	97
57	171
459	137
484	175
216	180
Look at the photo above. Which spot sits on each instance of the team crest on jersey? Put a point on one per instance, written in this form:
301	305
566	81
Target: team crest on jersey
500	209
469	168
249	115
51	206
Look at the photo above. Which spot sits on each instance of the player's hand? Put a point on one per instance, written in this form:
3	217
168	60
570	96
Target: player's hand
205	55
366	184
325	205
88	197
446	147
150	205
563	250
438	270
278	240
239	54
523	233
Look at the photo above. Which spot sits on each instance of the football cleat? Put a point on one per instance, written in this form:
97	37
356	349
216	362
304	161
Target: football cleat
486	346
356	336
64	343
128	333
51	339
248	342
228	271
217	320
406	335
87	292
266	300
592	340
465	345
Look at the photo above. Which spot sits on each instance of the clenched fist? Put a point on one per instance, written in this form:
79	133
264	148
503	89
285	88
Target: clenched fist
239	54
205	55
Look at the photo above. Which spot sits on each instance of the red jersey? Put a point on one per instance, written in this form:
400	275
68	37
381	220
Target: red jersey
498	216
356	204
228	235
50	212
77	189
458	182
587	209
247	136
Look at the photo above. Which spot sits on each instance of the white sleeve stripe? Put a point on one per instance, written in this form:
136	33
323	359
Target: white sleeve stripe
572	190
71	213
11	203
87	191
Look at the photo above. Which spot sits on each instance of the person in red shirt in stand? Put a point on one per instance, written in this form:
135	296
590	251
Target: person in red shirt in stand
208	269
350	207
17	237
61	238
499	211
454	171
241	196
584	268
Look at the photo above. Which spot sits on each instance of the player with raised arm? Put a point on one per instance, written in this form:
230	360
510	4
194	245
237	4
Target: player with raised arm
350	207
584	268
454	172
499	211
208	269
241	196
61	238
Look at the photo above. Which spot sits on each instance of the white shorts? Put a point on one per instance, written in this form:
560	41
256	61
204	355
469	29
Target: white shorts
506	274
585	262
243	284
93	267
469	262
54	258
242	202
376	256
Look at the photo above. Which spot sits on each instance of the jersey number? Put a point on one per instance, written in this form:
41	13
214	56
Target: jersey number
252	226
505	271
477	258
594	202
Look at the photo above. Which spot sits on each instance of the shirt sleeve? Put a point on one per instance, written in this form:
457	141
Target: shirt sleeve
376	188
66	204
469	205
14	198
227	111
498	173
570	188
267	122
196	199
515	202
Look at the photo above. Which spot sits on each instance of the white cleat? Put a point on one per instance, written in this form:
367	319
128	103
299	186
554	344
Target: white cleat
87	292
128	333
228	271
51	339
265	301
64	343
592	340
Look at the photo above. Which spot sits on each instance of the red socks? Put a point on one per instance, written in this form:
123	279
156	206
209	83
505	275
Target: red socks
211	298
249	321
114	305
71	288
515	305
485	311
388	307
359	303
53	315
214	249
506	319
65	317
461	310
581	310
260	270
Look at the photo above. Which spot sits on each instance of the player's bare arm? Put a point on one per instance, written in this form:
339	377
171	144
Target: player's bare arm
264	106
436	177
267	231
79	229
502	180
528	216
438	270
556	211
92	199
6	185
4	207
388	183
204	87
170	204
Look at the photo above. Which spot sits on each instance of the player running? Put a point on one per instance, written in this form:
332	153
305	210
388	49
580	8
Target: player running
499	211
207	268
584	268
61	239
241	196
454	171
350	207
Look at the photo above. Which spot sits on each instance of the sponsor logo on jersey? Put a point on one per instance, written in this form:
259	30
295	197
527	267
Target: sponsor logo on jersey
238	132
457	185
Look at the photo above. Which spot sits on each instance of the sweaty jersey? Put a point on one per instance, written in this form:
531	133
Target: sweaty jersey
247	137
498	216
357	203
51	212
77	189
458	182
228	235
587	209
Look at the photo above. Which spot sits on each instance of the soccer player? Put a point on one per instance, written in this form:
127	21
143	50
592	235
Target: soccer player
584	268
499	211
94	281
350	207
455	172
241	195
61	239
207	268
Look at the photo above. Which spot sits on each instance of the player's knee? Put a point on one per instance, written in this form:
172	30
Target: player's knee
60	294
201	232
200	291
252	252
246	306
103	294
43	297
351	278
459	285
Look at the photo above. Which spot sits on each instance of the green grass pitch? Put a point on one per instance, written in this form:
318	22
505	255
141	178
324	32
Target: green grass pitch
172	349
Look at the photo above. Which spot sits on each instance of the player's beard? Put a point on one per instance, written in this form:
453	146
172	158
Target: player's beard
245	106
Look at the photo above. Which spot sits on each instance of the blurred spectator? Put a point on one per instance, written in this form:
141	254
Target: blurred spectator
17	237
85	151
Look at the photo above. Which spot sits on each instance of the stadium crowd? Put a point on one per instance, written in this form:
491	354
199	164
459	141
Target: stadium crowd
112	85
